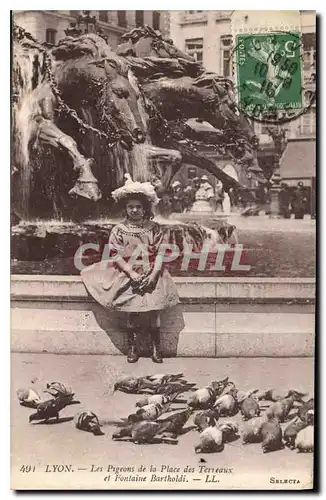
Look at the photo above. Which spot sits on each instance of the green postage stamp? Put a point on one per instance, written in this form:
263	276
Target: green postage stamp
269	76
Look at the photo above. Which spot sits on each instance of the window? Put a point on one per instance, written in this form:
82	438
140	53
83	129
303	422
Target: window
103	16
156	20
193	11
194	47
313	121
260	128
307	124
309	59
50	35
139	18
226	59
309	53
122	18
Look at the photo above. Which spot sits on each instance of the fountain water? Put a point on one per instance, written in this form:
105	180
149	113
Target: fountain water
140	167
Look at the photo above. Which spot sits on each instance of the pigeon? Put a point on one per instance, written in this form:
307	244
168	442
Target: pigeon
173	425
250	408
132	385
242	395
28	398
271	433
229	431
220	385
291	431
139	432
211	439
202	398
58	389
145	432
282	408
156	399
304	409
202	418
304	441
227	404
164	378
50	408
175	387
229	386
261	395
88	421
205	398
251	432
149	412
274	395
125	431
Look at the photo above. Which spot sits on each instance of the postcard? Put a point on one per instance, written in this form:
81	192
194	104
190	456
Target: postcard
163	234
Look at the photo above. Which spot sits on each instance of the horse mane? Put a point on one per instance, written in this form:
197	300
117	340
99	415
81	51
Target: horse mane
88	44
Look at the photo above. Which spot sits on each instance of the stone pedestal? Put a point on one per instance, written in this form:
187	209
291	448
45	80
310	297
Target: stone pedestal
201	213
275	195
275	203
224	317
201	206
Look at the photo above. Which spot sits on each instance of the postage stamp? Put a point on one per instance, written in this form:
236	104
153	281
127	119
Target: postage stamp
269	75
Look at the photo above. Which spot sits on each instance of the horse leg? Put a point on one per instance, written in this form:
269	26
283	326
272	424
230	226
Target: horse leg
86	185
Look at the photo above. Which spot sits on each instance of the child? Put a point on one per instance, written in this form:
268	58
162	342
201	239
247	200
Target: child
125	285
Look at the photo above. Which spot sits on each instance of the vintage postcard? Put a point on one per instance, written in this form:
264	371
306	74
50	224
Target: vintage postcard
163	230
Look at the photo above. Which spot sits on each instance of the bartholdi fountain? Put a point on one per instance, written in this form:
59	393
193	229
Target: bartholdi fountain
83	116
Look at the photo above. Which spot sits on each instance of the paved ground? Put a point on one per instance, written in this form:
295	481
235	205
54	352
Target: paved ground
264	222
92	378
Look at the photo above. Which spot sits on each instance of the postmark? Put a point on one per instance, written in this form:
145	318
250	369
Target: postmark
269	80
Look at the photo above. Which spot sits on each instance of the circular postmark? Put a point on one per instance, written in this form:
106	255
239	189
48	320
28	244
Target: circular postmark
269	78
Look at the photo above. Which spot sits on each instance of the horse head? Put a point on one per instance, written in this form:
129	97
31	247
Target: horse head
90	75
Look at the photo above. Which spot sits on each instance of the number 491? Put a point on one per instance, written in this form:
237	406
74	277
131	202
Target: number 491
27	468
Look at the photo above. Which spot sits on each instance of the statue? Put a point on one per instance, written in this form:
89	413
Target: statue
204	197
73	30
34	124
94	115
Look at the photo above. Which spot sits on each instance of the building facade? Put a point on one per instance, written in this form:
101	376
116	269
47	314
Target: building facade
210	32
207	36
49	25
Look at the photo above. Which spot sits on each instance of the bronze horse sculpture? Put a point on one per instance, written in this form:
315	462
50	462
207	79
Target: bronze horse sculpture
84	114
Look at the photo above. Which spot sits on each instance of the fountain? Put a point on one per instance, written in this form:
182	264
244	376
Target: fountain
83	116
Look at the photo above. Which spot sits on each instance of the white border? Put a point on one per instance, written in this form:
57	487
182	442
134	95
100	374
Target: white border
5	180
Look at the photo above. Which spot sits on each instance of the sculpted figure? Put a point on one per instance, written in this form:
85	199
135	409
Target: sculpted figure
84	116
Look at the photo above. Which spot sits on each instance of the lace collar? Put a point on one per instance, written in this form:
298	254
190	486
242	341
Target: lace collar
129	228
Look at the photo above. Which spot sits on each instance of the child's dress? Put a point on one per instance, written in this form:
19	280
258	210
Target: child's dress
111	287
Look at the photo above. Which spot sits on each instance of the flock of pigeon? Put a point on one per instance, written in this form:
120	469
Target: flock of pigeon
262	412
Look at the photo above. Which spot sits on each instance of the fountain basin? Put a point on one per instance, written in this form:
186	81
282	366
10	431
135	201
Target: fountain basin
53	241
48	249
203	218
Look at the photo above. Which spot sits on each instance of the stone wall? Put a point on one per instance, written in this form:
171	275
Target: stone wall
216	318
